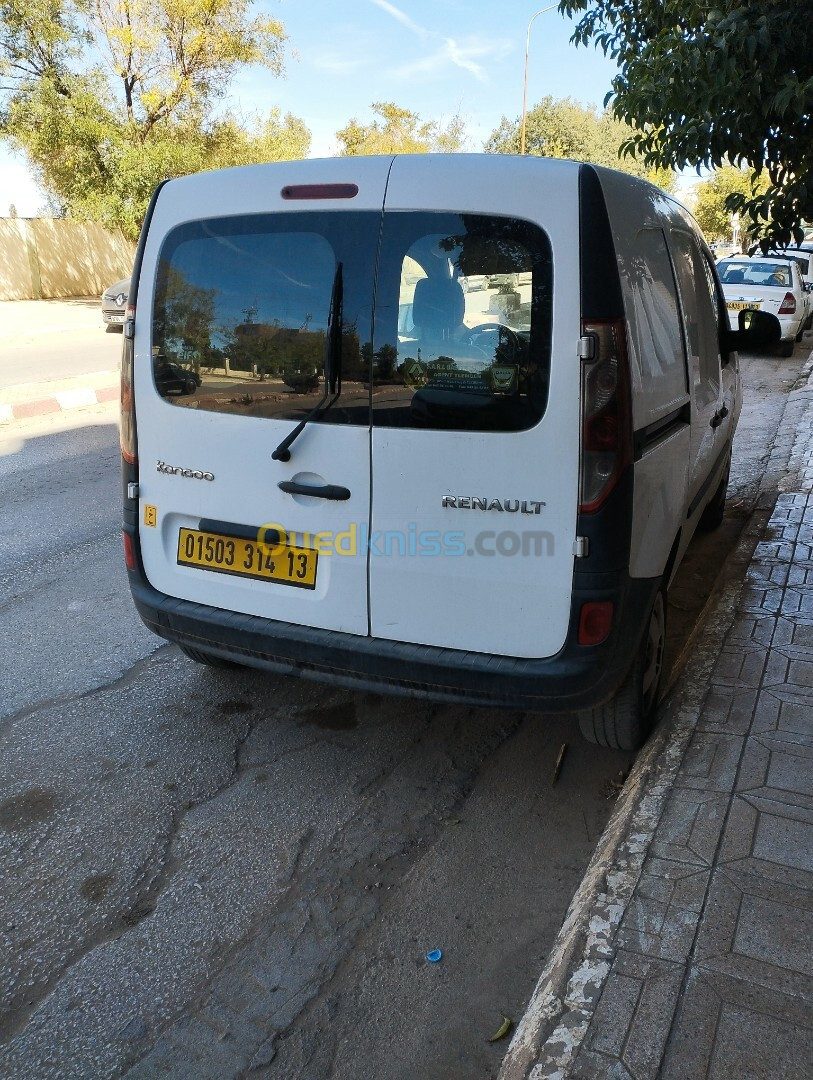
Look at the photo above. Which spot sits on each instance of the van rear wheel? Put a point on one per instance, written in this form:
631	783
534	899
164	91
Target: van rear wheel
209	659
625	722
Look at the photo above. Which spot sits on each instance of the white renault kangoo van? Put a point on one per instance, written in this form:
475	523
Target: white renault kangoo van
449	425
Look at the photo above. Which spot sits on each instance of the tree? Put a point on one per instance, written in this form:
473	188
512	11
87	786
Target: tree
711	211
107	97
399	131
706	84
565	128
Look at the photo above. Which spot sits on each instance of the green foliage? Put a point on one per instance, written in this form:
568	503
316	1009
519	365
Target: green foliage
565	128
399	131
108	97
706	84
711	210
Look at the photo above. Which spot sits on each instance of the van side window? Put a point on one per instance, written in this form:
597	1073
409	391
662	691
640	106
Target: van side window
654	321
463	322
700	315
712	287
242	306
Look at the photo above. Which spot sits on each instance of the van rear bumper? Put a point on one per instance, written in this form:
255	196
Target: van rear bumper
576	678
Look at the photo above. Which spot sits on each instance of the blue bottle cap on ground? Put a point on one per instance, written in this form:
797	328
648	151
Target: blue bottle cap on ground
434	955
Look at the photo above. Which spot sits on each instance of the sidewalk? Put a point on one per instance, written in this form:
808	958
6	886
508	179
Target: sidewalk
688	950
35	399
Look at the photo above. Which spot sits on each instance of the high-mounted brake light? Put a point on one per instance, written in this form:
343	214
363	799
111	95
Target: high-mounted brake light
606	413
788	304
320	191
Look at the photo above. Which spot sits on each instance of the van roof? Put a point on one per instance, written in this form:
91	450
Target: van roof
343	168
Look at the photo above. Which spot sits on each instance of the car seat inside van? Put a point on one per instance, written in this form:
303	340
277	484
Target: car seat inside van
455	419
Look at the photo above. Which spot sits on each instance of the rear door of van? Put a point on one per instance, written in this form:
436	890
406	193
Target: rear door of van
249	276
475	408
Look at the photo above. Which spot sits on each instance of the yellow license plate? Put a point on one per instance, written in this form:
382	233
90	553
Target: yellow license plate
284	564
742	305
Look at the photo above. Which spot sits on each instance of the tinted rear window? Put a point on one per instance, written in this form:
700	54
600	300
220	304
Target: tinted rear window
242	307
467	345
462	317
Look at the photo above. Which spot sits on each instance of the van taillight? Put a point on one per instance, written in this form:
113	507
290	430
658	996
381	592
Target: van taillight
595	622
606	415
129	551
127	426
788	304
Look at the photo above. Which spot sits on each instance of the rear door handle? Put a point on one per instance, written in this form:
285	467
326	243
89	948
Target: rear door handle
321	491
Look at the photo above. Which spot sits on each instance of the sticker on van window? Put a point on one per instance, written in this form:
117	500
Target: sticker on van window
503	378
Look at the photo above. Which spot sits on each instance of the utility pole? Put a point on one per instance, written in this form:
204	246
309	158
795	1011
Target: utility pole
525	81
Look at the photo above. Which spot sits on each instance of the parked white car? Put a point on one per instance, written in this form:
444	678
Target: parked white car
768	283
114	304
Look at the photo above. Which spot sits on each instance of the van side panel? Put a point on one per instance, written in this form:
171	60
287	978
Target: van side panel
661	410
661	479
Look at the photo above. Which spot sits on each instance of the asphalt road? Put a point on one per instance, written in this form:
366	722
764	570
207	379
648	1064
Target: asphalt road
48	340
211	872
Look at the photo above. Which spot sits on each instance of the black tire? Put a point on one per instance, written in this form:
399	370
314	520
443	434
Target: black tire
625	722
801	333
712	516
786	348
209	659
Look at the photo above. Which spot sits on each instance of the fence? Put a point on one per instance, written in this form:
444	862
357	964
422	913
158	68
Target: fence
52	257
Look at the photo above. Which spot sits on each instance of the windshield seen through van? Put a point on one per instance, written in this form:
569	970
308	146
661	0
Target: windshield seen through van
459	338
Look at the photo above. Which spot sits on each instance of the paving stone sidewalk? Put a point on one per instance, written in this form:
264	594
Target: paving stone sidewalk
713	969
704	967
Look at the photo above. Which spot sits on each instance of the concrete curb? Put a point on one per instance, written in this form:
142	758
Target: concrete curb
37	399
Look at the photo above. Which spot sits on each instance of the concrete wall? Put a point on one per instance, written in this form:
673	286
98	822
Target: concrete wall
49	257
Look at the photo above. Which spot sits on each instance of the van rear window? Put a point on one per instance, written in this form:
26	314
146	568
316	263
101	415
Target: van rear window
242	306
450	329
467	346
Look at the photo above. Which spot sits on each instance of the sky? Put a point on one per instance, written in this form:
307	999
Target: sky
437	58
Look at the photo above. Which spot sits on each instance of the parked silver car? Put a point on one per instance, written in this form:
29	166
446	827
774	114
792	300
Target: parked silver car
114	304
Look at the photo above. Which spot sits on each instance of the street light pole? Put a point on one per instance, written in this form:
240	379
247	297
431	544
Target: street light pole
525	81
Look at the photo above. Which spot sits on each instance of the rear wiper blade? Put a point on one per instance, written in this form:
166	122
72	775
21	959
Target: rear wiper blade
332	368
